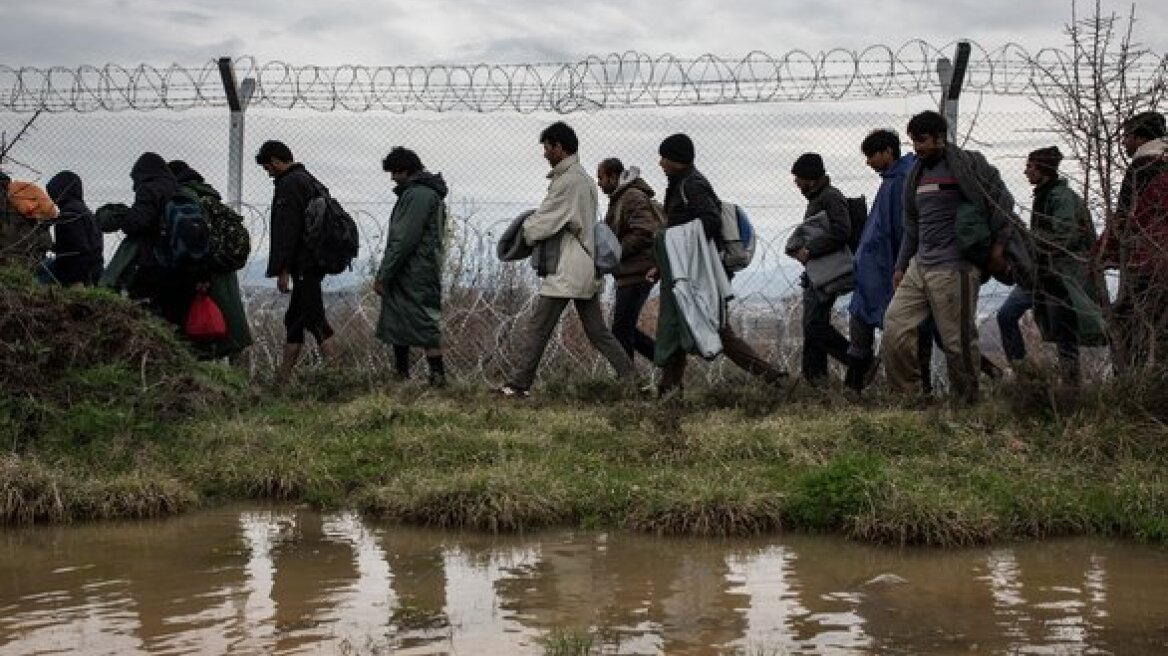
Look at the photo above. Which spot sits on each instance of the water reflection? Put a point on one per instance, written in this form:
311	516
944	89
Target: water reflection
292	581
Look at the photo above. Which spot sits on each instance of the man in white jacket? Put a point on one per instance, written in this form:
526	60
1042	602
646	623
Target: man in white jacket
565	221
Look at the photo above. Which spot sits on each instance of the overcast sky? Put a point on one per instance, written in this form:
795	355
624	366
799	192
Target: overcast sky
392	32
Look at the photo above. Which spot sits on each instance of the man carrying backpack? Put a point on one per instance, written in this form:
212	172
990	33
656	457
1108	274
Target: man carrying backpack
827	209
289	259
635	222
689	197
135	267
409	280
219	277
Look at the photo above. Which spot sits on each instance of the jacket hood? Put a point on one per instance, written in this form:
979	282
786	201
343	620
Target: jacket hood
183	172
431	180
631	179
65	187
1153	148
149	166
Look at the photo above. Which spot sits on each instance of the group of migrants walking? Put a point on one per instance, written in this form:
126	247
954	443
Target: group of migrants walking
941	224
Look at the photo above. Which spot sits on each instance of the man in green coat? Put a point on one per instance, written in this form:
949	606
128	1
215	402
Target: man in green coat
409	280
1066	307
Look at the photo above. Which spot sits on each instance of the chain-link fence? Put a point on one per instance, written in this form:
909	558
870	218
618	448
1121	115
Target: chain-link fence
746	135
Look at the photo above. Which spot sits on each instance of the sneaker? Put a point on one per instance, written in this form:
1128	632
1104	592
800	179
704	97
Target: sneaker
437	380
513	392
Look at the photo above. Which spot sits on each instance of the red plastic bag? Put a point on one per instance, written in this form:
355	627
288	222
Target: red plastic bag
205	322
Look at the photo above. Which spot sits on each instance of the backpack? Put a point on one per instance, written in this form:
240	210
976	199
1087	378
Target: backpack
184	238
974	243
738	235
608	249
738	238
330	234
230	240
857	216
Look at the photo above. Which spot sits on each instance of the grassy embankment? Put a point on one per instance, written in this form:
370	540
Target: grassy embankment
106	418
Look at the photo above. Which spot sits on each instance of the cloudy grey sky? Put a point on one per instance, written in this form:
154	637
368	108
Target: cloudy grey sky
392	32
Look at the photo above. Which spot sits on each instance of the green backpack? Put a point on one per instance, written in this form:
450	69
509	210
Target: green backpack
975	244
230	240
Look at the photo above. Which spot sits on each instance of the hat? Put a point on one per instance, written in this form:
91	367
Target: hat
1147	125
1046	160
677	148
809	166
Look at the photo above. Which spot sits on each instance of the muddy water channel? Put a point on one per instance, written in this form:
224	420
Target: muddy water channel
294	581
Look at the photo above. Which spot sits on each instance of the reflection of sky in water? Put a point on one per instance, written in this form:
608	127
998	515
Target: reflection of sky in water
292	581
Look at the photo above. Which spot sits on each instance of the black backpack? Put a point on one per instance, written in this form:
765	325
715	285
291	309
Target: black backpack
857	216
330	234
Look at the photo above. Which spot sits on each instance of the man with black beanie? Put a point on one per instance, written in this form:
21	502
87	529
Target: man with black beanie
1135	241
827	216
689	197
1064	302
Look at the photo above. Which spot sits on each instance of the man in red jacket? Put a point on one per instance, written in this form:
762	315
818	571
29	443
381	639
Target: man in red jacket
1135	241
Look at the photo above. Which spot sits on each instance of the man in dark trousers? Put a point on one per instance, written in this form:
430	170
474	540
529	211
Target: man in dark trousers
689	197
288	260
824	201
635	223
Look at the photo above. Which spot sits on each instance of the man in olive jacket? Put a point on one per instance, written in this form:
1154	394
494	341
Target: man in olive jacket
567	217
1065	303
288	260
409	280
635	223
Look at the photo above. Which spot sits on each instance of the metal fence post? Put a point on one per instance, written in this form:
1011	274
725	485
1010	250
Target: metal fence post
238	97
951	76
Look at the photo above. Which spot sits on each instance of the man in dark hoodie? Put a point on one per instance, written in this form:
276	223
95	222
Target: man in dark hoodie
635	222
288	260
136	266
221	285
689	197
77	241
824	201
409	280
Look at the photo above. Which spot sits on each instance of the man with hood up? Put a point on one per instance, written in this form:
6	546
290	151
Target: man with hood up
77	241
409	280
135	266
635	223
222	286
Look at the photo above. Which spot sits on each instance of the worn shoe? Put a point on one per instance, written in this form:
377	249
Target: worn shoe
857	373
437	380
510	391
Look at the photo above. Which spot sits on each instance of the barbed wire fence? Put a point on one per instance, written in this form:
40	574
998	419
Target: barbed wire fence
479	125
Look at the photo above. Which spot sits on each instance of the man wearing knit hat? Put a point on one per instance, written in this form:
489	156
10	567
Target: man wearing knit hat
1065	301
1135	241
827	218
689	197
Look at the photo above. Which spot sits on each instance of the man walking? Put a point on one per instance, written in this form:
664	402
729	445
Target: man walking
635	223
1063	303
409	280
1136	242
932	276
689	197
289	260
828	209
564	224
876	254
